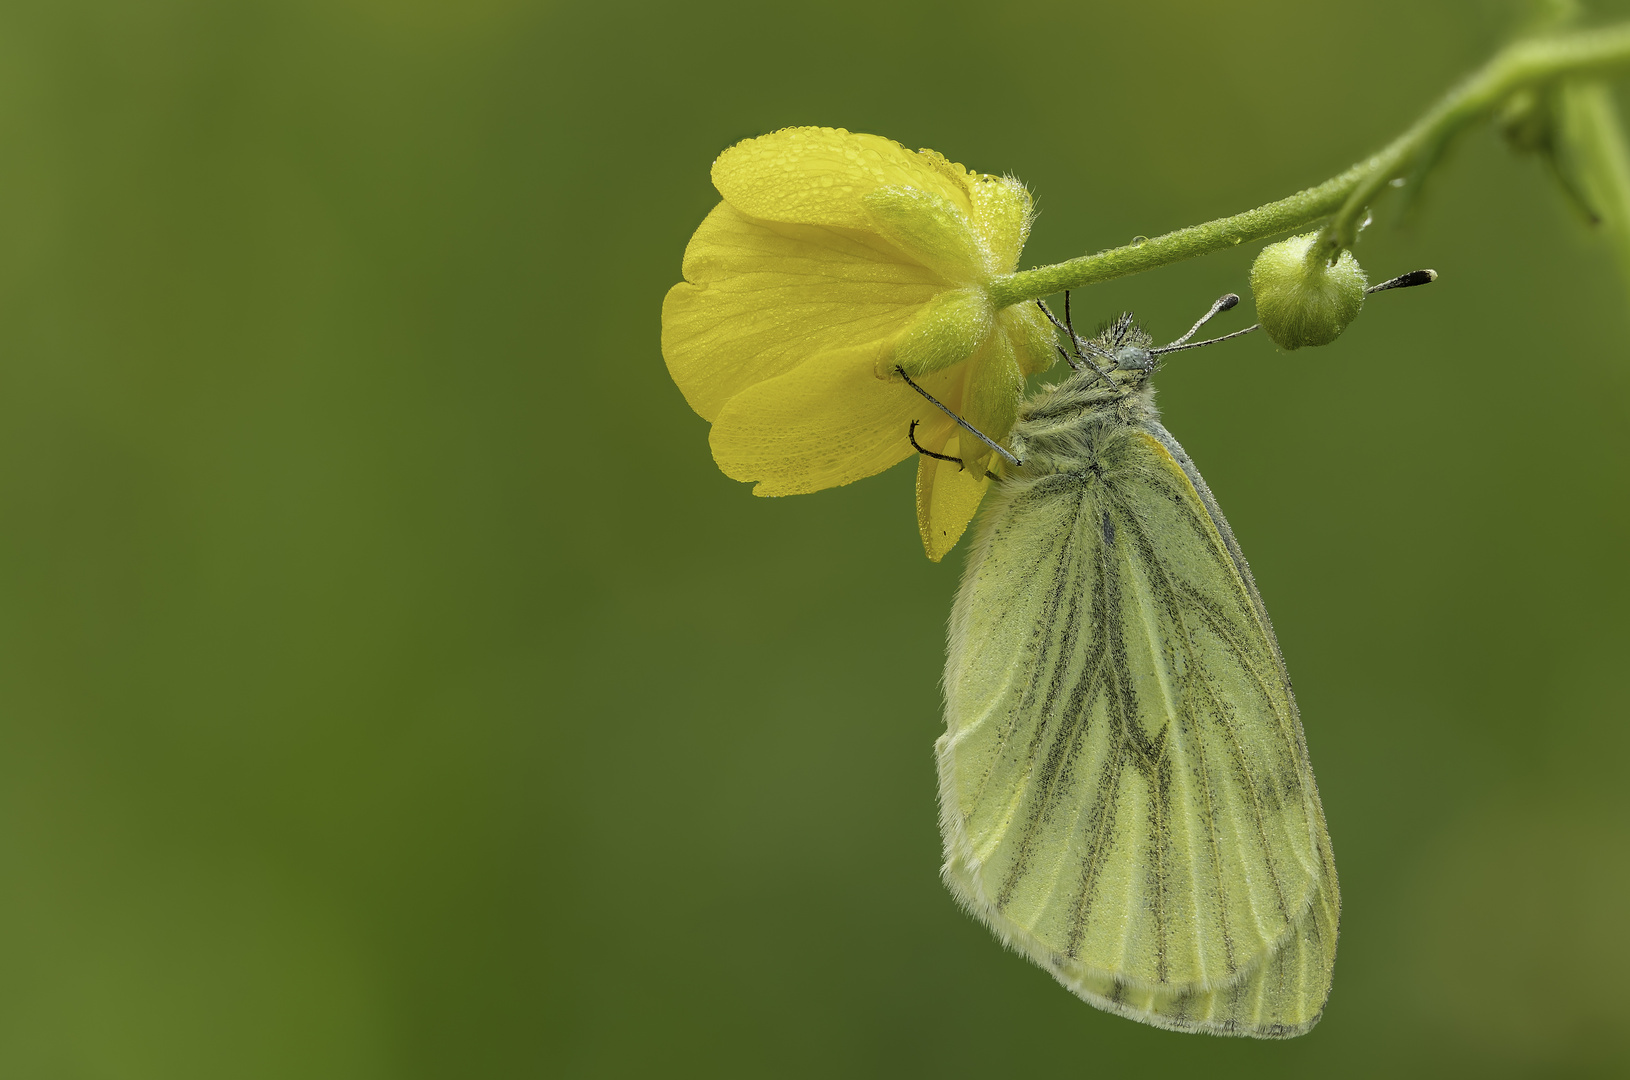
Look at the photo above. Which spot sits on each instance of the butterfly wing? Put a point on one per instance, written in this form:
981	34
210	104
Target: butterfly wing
1125	790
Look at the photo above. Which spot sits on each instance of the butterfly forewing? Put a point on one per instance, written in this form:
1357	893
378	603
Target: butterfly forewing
1126	794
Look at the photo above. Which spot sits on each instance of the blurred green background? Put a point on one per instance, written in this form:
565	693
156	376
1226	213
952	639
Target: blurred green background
390	685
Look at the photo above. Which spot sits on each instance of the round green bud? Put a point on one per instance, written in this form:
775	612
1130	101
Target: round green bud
1305	303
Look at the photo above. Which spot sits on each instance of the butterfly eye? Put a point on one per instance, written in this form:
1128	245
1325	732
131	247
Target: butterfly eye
1132	358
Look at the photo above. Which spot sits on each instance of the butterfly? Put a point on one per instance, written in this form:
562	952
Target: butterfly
1125	791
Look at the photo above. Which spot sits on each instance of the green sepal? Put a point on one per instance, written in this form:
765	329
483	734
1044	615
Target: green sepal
951	328
929	228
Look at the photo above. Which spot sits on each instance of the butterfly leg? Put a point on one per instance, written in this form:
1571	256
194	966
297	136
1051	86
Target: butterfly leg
975	432
1081	344
911	434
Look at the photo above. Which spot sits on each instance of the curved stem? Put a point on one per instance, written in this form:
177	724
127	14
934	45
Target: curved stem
1300	209
1525	63
1603	161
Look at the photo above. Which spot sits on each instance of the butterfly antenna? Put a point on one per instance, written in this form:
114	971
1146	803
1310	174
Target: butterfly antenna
975	432
1223	303
1207	341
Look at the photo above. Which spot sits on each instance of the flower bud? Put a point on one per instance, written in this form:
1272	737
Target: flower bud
1301	303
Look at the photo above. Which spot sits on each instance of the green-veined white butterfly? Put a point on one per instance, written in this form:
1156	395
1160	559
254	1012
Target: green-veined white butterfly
1125	790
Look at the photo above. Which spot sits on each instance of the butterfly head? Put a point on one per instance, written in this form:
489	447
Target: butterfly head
1122	355
1126	347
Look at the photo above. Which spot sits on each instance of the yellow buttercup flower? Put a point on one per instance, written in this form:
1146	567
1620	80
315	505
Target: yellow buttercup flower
834	260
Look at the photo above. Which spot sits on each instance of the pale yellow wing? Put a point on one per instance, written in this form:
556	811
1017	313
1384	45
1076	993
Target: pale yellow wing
1125	791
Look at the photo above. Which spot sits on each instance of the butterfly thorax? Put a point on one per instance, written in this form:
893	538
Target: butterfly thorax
1070	428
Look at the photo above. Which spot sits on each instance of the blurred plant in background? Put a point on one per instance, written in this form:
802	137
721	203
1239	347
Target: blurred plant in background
391	686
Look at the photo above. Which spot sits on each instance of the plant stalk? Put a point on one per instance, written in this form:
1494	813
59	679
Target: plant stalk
1344	198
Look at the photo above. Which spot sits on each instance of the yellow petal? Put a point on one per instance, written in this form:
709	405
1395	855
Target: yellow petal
947	168
816	176
829	421
947	498
762	297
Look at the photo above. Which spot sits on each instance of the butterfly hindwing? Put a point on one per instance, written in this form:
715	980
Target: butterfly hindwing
1126	796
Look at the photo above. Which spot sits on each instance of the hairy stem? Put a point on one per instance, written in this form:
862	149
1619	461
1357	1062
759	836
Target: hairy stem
1343	198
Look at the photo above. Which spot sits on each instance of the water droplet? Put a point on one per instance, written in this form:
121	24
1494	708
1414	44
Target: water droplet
1139	239
1368	217
1397	181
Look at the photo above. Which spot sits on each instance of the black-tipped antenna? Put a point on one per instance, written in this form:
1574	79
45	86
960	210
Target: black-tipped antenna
1405	281
975	432
1207	341
1224	303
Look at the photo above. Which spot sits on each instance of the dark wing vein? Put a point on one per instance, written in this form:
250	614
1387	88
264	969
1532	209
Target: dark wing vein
1220	710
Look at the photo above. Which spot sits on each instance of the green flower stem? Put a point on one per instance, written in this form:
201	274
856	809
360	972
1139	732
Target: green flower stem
1300	209
1517	66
